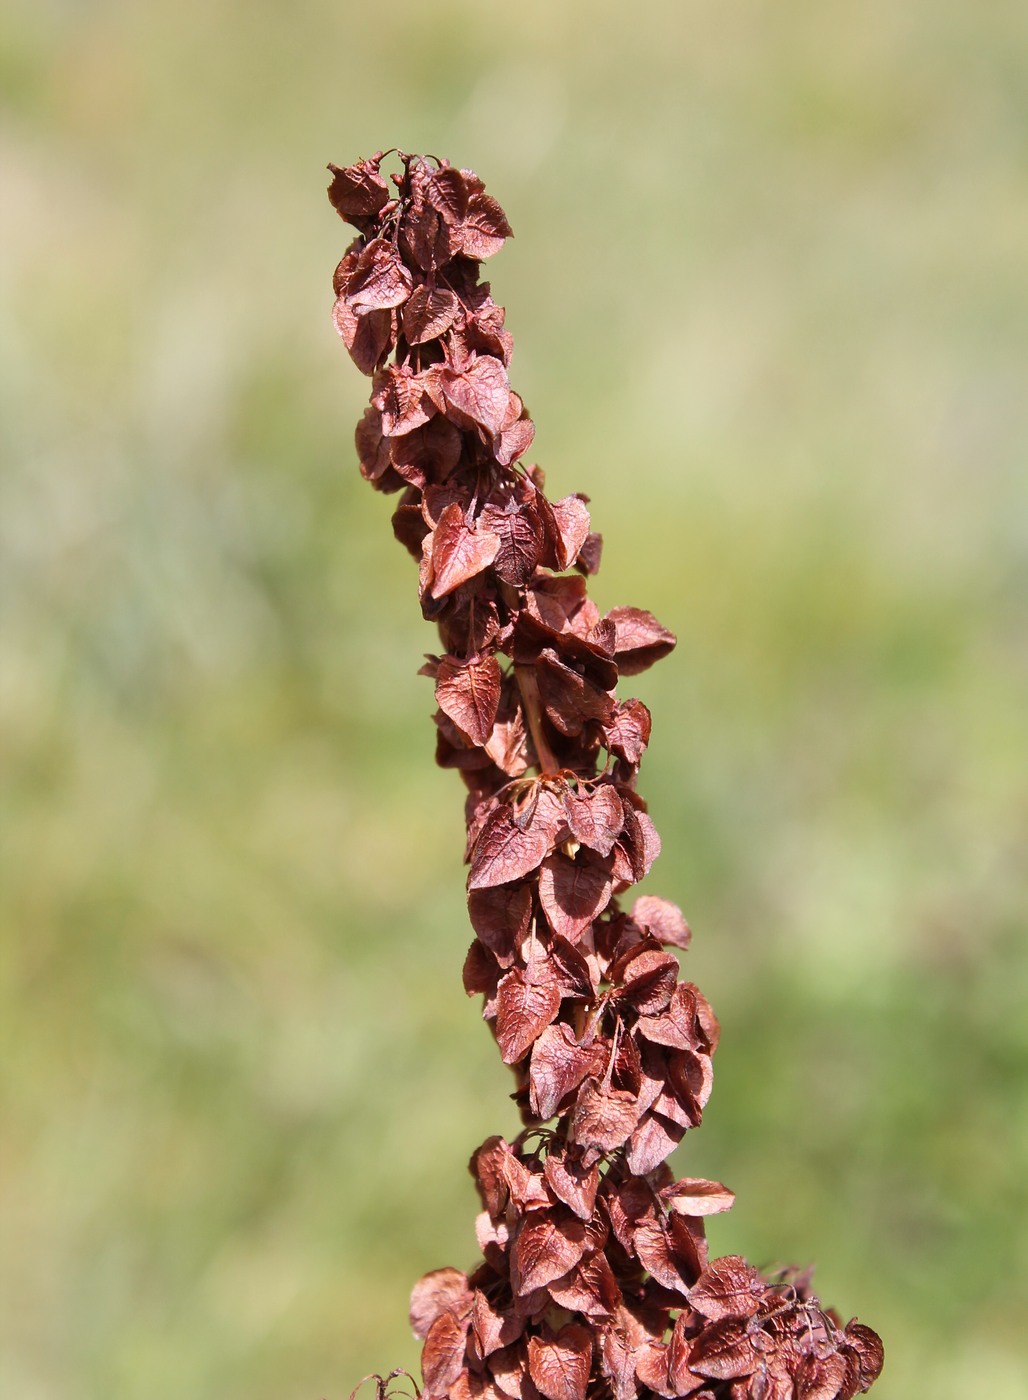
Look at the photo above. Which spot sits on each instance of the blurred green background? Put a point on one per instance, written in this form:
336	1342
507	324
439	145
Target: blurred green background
770	298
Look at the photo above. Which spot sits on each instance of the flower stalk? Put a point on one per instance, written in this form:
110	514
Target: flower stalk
595	1280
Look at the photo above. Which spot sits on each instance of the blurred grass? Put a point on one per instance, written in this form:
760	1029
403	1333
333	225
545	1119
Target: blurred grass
769	297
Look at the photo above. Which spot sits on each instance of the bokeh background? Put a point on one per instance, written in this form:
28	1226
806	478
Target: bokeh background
770	295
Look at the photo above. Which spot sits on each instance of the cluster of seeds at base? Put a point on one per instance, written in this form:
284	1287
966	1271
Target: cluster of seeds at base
595	1279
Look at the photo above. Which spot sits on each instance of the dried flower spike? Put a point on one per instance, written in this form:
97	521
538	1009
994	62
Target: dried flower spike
594	1278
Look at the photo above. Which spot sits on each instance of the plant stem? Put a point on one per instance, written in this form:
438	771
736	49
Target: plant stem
532	706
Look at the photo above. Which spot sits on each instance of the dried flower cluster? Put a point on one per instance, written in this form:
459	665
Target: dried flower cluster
594	1279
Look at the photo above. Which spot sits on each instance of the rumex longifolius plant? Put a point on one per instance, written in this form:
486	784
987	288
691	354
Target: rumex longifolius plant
594	1278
